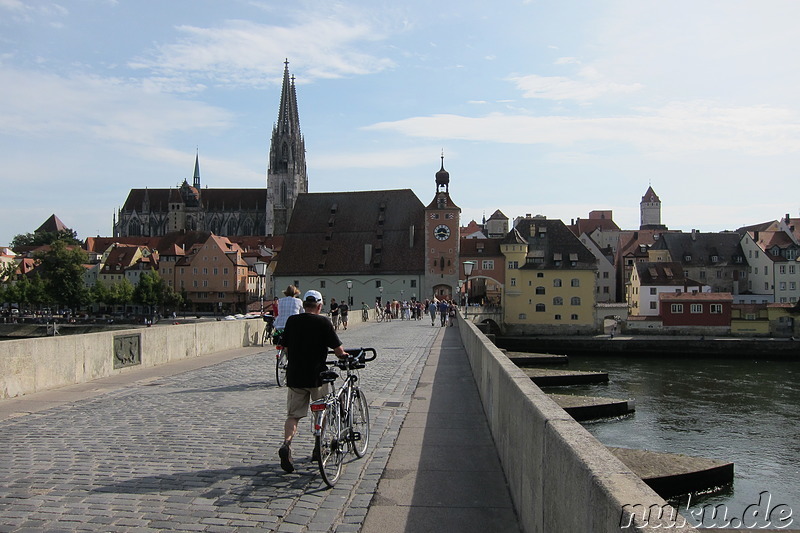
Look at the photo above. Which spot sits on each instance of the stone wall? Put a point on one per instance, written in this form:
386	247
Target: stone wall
560	477
34	365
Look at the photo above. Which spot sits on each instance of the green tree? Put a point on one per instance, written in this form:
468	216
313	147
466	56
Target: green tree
62	270
122	293
42	238
26	291
150	290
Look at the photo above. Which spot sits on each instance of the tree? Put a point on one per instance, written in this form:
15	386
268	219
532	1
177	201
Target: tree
42	238
62	270
150	290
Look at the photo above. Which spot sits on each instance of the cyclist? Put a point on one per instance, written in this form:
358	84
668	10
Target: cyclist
289	305
364	312
307	336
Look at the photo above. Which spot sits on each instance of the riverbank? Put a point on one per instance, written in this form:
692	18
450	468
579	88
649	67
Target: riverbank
656	346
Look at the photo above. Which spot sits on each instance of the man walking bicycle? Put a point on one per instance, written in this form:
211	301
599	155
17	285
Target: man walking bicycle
307	337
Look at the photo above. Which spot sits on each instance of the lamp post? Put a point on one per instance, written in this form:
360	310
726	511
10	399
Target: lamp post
349	298
261	271
380	290
460	291
468	266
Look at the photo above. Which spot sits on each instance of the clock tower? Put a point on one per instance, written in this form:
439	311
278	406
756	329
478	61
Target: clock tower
442	242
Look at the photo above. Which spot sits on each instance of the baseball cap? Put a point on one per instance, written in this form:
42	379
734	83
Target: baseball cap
312	296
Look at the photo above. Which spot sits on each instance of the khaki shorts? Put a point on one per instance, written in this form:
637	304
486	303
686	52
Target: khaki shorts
298	400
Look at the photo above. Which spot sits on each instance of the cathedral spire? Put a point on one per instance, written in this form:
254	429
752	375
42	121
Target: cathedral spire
286	170
196	180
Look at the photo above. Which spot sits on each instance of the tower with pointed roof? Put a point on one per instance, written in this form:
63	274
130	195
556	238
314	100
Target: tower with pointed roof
442	241
286	171
650	209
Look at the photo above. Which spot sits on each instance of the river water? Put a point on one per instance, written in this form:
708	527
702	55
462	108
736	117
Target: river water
741	411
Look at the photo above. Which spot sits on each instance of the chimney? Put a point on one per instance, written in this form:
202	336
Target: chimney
755	235
694	234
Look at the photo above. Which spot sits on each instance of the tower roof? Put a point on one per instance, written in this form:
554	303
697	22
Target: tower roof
650	196
288	117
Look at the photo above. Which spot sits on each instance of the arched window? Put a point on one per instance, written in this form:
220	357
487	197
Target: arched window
540	290
134	229
575	282
575	300
540	308
284	195
231	227
558	300
557	282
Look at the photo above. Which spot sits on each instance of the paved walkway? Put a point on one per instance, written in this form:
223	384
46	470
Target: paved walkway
192	446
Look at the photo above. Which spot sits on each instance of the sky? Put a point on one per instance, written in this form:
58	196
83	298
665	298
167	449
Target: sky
552	108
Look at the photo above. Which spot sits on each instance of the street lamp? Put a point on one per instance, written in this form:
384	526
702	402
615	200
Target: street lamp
460	291
349	298
468	266
380	289
261	271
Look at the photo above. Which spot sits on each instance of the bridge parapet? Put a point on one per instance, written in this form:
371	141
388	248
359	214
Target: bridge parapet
560	477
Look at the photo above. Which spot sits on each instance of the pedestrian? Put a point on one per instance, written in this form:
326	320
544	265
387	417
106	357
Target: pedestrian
334	310
443	312
451	312
307	338
432	308
344	311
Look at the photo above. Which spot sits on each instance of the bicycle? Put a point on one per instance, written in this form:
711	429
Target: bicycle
281	359
341	418
379	312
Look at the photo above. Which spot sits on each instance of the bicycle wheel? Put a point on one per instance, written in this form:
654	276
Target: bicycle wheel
329	444
378	317
359	427
280	367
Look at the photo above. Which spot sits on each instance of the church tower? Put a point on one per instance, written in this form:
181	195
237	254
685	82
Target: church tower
650	209
286	170
442	241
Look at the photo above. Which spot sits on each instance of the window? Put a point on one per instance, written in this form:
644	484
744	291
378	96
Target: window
782	269
766	285
573	317
558	300
605	275
540	274
676	308
556	283
575	300
716	309
224	271
792	285
513	265
322	284
653	305
513	282
194	270
766	270
696	308
557	317
653	291
605	290
540	308
782	286
523	316
225	283
413	283
377	284
791	269
487	264
575	282
540	290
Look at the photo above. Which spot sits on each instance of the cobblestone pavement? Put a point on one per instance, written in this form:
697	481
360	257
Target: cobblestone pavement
197	451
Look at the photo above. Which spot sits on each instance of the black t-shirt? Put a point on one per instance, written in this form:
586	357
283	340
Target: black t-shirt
334	309
344	309
307	338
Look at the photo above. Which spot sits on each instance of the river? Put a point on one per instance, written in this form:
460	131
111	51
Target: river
739	410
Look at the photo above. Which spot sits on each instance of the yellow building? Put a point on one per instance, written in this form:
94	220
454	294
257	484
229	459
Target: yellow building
550	279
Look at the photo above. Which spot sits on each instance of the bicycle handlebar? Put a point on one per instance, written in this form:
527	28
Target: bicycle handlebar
354	355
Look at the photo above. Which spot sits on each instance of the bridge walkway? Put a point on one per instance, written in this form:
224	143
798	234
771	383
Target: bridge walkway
192	446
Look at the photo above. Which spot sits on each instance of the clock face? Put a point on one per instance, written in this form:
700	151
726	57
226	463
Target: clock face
441	232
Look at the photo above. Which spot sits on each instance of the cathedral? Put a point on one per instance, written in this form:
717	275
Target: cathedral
228	212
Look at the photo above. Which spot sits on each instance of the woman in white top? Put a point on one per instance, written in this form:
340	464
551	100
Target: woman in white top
289	305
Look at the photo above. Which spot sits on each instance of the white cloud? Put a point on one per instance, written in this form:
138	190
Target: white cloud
678	127
561	88
97	109
246	53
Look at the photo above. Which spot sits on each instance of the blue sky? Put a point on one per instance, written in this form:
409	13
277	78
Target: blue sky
543	107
